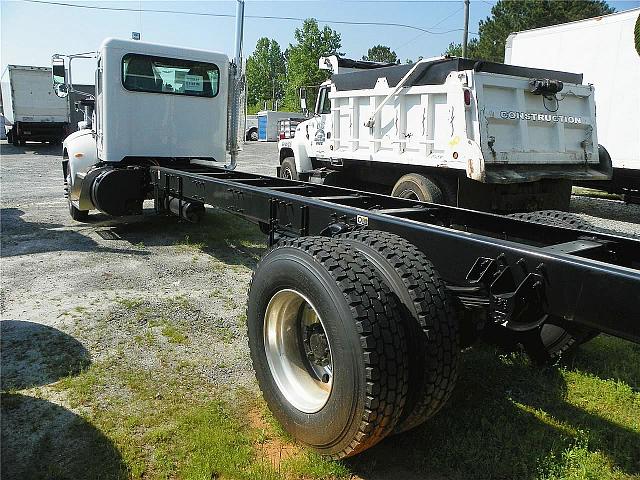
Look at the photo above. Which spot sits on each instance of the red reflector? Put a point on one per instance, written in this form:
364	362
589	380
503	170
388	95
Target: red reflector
467	97
281	135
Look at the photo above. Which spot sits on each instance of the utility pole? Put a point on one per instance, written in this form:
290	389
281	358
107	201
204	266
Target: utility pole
465	34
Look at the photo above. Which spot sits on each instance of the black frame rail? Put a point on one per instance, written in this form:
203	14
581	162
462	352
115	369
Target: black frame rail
517	270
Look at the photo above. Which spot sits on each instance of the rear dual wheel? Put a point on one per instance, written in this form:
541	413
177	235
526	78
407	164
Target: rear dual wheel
288	169
327	345
351	339
433	189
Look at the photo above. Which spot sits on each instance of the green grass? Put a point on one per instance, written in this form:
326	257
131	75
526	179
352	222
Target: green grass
173	334
242	243
508	419
171	428
130	303
590	192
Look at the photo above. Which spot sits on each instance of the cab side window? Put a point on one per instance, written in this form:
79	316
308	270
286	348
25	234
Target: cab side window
324	103
145	73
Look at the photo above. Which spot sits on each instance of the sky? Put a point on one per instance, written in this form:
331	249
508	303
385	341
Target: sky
31	32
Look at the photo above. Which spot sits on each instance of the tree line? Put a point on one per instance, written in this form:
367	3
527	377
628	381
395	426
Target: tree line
274	76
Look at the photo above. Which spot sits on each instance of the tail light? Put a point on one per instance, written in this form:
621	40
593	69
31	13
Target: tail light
281	136
467	96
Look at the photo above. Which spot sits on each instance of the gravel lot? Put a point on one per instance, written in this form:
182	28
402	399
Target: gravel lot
77	293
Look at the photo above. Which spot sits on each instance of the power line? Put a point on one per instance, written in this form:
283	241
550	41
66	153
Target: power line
432	26
226	15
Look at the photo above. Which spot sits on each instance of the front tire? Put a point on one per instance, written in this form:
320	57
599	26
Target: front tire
358	343
288	169
76	214
417	187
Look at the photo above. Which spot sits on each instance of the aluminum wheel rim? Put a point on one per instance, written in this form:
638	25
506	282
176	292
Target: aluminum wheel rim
286	173
298	351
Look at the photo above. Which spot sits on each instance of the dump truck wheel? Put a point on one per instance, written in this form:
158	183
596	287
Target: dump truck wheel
327	345
288	169
430	322
417	187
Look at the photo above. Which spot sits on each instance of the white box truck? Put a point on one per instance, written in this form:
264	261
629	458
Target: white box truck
268	124
31	106
605	51
448	130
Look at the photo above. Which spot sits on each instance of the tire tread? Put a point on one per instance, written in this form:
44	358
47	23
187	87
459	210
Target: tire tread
437	355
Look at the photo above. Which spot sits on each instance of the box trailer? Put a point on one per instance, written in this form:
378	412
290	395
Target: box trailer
479	135
606	52
357	313
268	124
31	106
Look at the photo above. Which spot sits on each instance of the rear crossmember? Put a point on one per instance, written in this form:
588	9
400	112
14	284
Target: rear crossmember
517	271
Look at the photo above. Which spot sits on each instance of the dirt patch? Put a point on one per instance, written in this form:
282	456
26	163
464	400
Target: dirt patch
270	448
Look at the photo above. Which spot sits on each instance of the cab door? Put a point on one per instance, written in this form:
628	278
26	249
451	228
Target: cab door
321	127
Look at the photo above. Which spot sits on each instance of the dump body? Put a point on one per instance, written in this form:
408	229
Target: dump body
31	106
448	115
479	135
603	49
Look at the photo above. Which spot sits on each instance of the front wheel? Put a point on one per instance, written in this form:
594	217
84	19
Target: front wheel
327	345
288	169
76	214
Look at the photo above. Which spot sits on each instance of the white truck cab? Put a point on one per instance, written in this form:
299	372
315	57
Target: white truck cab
450	130
167	105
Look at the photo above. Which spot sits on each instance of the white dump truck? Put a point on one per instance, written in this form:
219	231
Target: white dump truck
450	130
34	112
606	51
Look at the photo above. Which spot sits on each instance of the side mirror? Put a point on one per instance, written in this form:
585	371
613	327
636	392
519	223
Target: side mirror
59	77
303	99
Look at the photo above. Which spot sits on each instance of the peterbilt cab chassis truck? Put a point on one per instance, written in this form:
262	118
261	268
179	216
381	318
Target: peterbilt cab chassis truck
479	135
357	312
